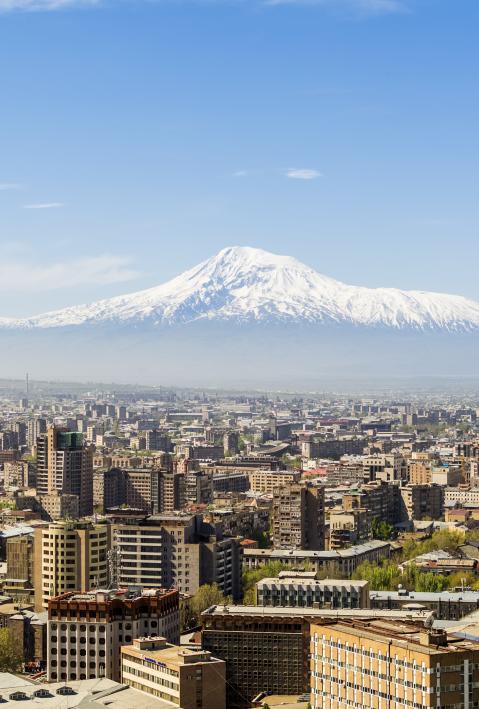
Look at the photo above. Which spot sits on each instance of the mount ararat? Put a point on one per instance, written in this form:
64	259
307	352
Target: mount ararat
246	316
242	284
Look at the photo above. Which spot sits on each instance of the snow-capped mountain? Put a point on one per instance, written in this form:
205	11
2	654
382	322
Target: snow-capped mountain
243	285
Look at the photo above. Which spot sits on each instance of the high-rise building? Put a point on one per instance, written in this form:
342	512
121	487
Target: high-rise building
172	491
199	487
422	502
176	550
187	678
69	556
86	630
36	427
65	465
387	664
298	517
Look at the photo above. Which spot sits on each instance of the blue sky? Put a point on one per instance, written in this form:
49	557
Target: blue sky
139	137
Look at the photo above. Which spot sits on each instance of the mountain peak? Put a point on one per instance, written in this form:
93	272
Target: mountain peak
242	284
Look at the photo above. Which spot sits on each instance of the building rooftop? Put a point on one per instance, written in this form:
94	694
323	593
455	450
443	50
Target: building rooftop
327	613
86	694
332	554
411	635
443	596
307	581
159	651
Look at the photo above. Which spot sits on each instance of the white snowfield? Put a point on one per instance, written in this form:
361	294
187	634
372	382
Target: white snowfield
243	284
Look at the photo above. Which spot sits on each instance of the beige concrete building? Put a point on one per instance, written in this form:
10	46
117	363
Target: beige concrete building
298	517
19	580
422	502
69	556
391	664
268	480
58	506
16	474
191	679
419	472
176	550
348	528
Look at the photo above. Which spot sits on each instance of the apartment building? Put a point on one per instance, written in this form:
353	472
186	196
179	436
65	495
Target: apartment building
191	679
461	496
419	472
388	467
389	664
69	556
65	466
348	528
268	480
176	550
86	630
298	517
19	577
16	474
303	590
381	499
422	502
199	487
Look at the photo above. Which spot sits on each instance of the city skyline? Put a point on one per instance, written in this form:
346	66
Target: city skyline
340	133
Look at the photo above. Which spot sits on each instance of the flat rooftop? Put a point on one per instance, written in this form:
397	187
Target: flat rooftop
422	596
87	694
410	635
169	655
327	613
373	545
305	581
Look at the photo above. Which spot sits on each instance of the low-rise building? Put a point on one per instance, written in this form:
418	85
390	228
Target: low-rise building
187	678
304	591
344	561
448	605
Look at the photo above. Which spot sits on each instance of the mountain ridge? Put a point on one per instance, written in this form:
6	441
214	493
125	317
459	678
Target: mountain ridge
245	284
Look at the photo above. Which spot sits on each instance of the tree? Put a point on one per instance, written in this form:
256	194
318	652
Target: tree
331	570
208	595
252	576
381	577
11	657
382	530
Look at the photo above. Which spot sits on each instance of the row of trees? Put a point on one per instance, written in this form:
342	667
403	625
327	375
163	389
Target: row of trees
386	576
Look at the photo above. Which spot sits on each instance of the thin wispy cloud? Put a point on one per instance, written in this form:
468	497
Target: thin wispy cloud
36	278
367	7
44	5
44	205
240	173
302	173
5	186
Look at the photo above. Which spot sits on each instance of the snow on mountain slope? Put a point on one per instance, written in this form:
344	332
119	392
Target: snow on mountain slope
243	284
